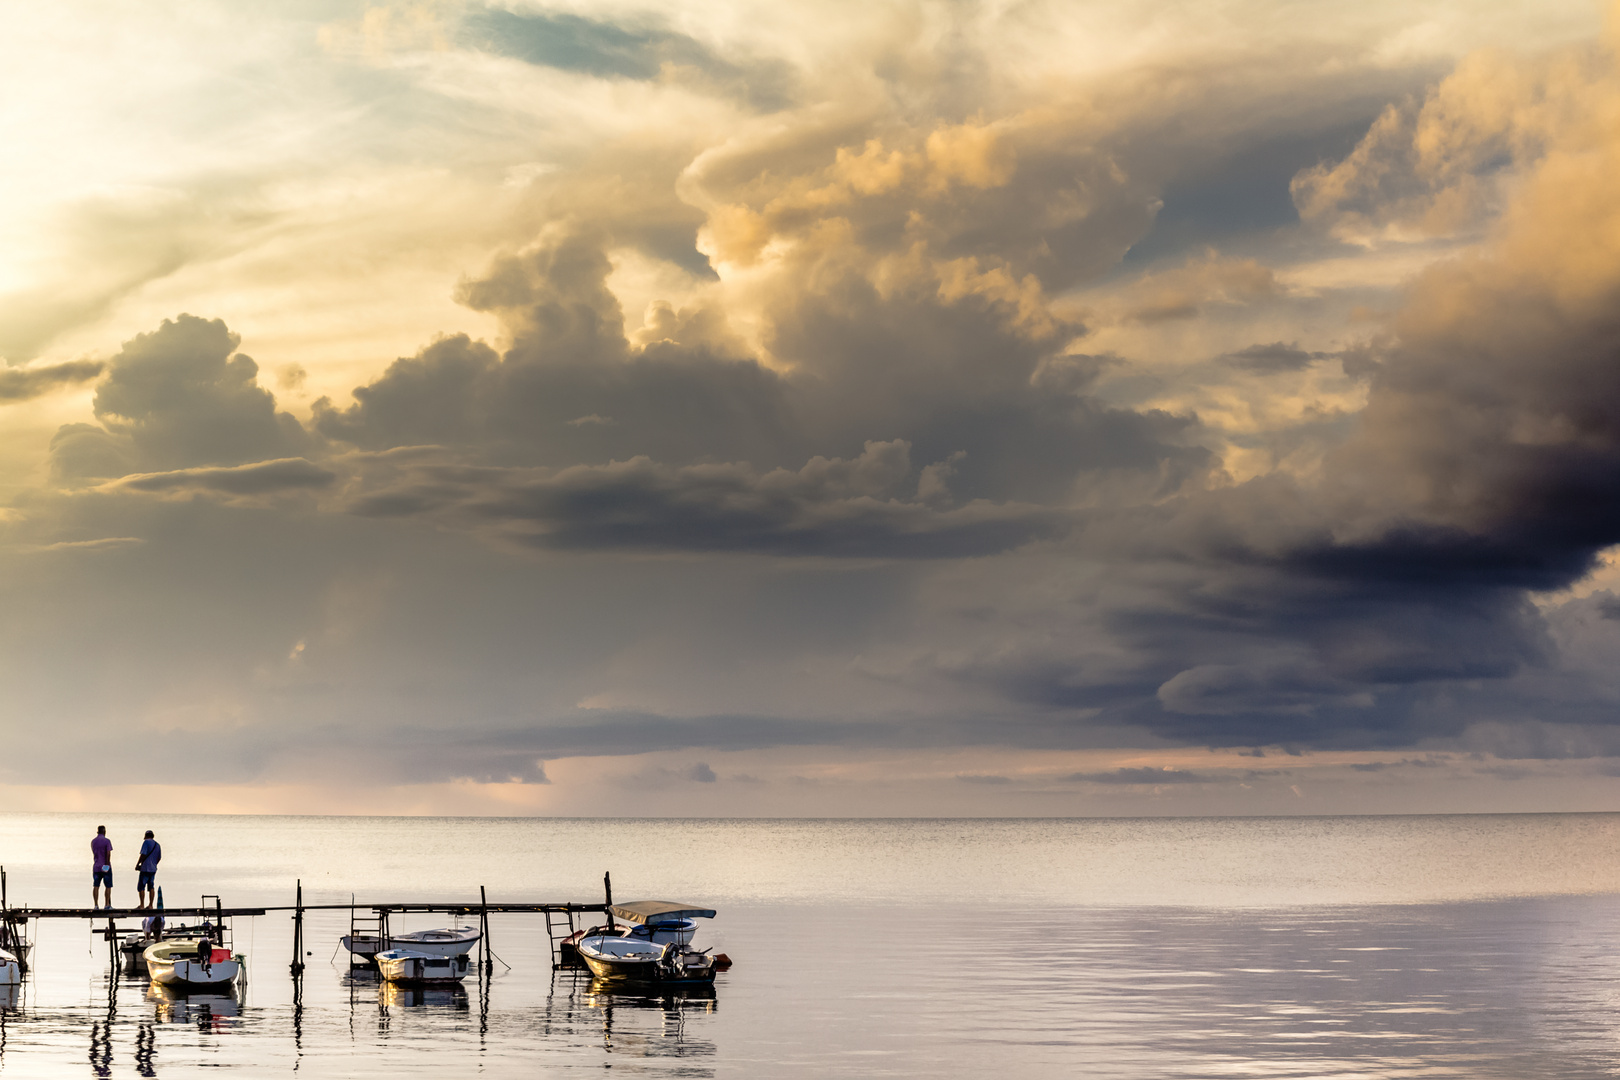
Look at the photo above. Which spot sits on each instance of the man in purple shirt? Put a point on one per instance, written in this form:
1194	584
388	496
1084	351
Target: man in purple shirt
100	867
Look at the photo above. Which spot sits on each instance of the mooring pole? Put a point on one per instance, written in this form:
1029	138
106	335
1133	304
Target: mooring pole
607	887
298	932
483	926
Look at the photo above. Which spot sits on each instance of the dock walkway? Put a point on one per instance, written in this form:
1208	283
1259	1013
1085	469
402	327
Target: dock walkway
14	920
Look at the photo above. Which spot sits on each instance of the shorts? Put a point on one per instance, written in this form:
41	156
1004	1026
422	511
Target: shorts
101	877
144	880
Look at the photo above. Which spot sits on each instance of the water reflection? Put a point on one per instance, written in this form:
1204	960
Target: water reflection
393	995
1506	989
650	1021
101	1048
146	1050
212	1012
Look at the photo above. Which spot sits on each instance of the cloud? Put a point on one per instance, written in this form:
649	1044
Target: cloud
1142	775
605	49
20	384
1446	166
1277	356
924	327
175	397
832	507
1185	291
260	478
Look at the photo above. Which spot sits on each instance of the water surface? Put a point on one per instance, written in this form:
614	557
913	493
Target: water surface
1472	946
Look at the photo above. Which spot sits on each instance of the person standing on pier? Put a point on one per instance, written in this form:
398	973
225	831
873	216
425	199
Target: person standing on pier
100	866
146	870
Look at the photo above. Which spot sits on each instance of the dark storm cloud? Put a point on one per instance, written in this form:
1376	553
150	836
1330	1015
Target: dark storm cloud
20	384
616	50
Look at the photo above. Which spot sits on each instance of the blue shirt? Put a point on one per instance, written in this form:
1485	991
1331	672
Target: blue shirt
150	854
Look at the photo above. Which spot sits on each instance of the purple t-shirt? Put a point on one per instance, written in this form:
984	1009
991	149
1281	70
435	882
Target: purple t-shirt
100	853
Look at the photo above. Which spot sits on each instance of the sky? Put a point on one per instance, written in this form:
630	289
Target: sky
737	408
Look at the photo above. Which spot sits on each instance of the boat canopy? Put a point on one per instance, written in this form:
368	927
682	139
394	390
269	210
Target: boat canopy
646	911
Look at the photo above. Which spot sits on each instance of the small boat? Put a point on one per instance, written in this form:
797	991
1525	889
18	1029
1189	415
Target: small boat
176	965
662	922
412	968
450	941
10	969
630	959
650	922
133	946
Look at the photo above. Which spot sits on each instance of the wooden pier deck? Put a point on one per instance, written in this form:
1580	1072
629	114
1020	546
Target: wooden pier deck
13	919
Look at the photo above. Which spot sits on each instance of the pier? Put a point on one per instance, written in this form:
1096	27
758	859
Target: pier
372	918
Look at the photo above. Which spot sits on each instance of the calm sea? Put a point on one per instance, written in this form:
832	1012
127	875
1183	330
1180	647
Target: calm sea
1475	946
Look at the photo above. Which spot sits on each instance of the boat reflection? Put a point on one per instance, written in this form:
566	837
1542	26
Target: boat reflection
650	1020
391	995
212	1012
607	993
11	996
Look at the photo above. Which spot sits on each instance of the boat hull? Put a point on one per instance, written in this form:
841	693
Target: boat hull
431	942
176	967
10	969
410	968
192	975
619	959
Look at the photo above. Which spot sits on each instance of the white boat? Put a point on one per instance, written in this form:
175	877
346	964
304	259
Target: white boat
10	969
663	922
450	941
176	965
420	969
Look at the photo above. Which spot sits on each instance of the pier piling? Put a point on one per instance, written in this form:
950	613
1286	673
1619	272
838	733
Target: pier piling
298	932
483	929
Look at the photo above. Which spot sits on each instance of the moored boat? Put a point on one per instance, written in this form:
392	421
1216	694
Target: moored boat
10	969
449	941
411	968
178	965
631	959
662	922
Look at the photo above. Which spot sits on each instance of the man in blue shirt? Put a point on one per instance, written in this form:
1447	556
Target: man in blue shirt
146	871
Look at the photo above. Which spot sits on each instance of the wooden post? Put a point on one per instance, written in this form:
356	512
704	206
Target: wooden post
298	932
607	887
483	927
